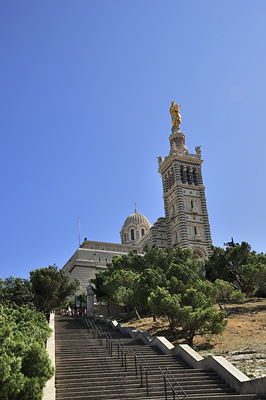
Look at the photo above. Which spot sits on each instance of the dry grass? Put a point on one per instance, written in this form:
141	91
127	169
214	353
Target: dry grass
245	334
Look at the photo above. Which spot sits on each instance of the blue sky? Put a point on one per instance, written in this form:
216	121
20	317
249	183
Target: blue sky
85	91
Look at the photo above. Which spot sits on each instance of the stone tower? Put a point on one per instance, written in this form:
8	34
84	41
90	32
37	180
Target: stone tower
187	222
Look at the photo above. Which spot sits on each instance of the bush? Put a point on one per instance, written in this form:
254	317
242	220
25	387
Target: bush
24	363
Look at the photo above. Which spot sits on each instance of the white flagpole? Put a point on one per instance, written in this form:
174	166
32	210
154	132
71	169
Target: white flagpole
79	232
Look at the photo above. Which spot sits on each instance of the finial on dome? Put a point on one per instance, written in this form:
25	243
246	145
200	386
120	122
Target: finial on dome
135	207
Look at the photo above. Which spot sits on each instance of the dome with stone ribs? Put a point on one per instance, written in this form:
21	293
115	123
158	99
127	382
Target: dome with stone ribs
135	226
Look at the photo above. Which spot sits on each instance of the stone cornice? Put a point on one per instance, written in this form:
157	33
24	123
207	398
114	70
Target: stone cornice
191	158
92	242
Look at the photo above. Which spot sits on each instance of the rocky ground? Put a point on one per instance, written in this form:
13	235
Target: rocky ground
243	342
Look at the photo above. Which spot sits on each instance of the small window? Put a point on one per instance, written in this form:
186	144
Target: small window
99	260
191	203
195	230
132	234
142	232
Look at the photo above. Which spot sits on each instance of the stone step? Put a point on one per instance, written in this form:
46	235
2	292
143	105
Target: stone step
136	388
70	354
135	385
81	382
86	371
122	396
180	375
136	392
108	378
91	362
89	357
118	369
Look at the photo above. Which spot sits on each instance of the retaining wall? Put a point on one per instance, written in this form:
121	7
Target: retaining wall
49	390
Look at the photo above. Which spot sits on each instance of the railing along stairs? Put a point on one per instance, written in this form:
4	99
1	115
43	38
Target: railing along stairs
143	366
123	351
172	385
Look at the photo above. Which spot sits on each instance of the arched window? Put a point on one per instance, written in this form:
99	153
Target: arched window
142	232
188	176
195	230
194	176
132	234
191	203
183	180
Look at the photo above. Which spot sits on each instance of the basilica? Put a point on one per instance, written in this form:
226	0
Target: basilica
185	223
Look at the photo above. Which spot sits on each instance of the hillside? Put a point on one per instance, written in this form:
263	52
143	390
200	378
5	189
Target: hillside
243	342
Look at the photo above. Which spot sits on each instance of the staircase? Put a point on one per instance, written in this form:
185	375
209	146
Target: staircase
85	369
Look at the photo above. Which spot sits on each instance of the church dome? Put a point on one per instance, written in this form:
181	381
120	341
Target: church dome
135	226
136	219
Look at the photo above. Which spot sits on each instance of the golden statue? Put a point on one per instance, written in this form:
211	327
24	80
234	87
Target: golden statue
175	114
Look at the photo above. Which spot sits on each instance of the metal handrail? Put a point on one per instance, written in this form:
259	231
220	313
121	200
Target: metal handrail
95	329
121	348
123	345
143	359
144	368
174	392
100	334
89	324
109	343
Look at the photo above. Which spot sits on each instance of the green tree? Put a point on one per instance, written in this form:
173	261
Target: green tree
24	363
238	265
164	283
143	284
130	278
189	312
51	288
114	284
226	291
260	277
16	292
163	304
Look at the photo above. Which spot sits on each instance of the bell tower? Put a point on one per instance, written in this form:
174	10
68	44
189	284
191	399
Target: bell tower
187	222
